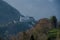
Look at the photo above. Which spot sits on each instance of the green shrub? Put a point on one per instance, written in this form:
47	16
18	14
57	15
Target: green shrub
53	33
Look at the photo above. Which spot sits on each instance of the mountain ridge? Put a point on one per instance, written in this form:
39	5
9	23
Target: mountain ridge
8	13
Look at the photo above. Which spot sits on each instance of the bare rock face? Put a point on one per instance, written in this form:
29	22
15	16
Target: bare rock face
8	13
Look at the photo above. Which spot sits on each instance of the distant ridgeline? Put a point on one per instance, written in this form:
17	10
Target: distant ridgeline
8	14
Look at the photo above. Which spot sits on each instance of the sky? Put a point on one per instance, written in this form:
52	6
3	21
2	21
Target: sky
36	8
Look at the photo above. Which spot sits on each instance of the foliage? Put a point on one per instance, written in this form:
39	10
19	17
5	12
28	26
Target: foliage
0	38
54	33
54	21
32	37
24	35
35	34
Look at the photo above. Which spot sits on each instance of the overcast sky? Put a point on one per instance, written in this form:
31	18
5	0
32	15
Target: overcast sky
36	8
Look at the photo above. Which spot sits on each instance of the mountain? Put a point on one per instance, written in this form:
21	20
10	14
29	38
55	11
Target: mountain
12	22
8	13
14	28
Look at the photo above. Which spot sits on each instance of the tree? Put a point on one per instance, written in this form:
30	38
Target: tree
54	21
59	24
0	38
24	36
32	37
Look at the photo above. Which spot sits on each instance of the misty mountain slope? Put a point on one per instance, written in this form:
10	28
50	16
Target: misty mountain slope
8	13
24	24
13	29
